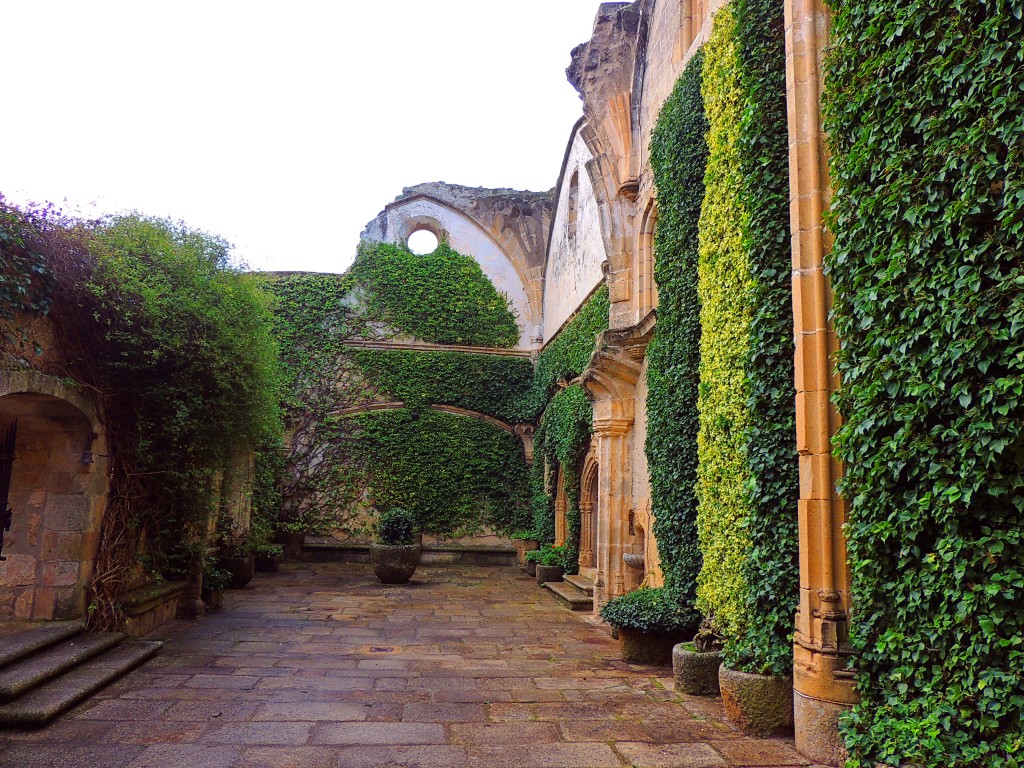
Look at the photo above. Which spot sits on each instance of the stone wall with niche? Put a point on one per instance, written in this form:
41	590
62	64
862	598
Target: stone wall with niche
58	496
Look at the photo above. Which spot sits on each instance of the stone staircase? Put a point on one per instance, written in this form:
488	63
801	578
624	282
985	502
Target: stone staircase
576	592
46	667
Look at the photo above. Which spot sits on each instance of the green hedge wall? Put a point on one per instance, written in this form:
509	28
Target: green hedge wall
772	569
924	107
454	473
725	286
442	297
484	383
678	156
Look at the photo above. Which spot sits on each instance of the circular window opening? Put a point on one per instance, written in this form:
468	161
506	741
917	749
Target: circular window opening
422	242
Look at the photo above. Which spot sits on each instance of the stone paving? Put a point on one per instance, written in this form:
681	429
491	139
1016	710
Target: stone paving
319	665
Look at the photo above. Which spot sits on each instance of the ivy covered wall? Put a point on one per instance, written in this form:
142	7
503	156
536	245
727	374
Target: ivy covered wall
721	442
924	107
678	156
456	473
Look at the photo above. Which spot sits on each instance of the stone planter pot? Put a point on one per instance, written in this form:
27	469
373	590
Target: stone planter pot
696	673
213	598
531	568
760	705
522	547
547	573
291	542
241	567
268	563
653	648
395	564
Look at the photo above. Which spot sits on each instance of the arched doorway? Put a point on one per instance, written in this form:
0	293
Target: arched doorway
57	496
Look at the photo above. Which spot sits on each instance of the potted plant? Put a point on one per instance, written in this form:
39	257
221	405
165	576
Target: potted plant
235	555
650	621
214	581
291	537
530	563
395	554
268	557
757	690
695	664
550	563
525	541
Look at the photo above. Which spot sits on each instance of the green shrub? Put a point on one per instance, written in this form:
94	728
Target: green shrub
648	609
549	555
395	527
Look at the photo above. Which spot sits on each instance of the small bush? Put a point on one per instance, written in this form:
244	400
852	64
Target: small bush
395	527
648	609
548	555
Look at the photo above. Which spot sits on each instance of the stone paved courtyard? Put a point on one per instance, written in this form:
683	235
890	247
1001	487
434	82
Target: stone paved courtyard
319	665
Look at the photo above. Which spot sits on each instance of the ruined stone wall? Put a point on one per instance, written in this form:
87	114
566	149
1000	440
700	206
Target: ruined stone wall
576	251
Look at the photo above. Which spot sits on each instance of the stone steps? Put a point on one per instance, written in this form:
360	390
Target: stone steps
570	595
48	667
19	639
582	583
43	704
33	671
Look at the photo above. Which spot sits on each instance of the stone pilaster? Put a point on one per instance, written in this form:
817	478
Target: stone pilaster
823	688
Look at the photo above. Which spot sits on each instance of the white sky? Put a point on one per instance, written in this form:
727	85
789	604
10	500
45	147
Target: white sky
283	127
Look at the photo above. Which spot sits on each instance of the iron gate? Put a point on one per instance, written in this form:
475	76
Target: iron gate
7	438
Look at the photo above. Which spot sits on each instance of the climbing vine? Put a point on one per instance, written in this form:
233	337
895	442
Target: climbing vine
566	356
442	297
344	462
565	420
566	427
176	345
678	156
771	571
26	284
724	292
486	383
924	107
455	474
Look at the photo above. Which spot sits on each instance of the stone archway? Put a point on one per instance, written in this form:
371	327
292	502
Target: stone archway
58	495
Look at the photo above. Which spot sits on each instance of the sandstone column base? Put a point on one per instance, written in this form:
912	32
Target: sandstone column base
817	729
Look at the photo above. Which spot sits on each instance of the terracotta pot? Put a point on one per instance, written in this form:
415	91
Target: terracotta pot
268	563
292	543
531	568
696	673
653	648
522	547
241	567
760	705
395	564
547	573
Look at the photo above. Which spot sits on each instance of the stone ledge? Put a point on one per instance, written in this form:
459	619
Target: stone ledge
147	607
433	554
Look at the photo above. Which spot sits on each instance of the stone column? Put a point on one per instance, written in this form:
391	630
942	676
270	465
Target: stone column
614	489
823	688
586	533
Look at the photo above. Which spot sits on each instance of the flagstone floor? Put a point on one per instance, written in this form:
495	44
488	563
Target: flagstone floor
319	665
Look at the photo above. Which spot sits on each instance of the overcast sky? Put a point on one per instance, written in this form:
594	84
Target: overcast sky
283	127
